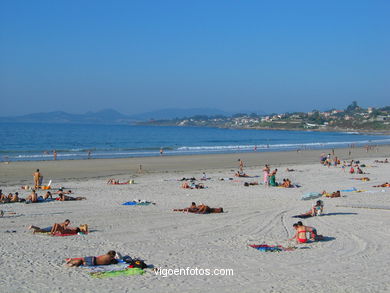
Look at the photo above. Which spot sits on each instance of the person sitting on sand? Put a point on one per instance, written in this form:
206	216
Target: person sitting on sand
359	171
33	197
286	183
300	234
240	174
313	231
106	259
15	197
48	195
272	178
318	208
352	170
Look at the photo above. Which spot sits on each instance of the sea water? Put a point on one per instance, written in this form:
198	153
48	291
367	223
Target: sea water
34	141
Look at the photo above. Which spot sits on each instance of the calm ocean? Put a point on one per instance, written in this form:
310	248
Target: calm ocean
25	142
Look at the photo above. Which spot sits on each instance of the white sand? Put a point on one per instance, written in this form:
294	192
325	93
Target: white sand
355	259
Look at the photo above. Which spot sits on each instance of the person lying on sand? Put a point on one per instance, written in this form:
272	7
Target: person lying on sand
63	197
200	209
56	228
106	259
241	174
386	184
333	194
251	183
114	181
385	161
192	185
61	191
290	170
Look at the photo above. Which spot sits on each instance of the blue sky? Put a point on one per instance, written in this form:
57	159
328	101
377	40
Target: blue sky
140	56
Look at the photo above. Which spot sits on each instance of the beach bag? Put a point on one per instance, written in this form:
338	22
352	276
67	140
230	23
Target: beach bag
137	263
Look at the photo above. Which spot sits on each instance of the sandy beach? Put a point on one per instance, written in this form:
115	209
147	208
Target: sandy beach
352	258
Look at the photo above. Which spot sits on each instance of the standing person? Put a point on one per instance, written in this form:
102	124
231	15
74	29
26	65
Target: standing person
54	155
266	171
37	176
241	165
161	151
89	154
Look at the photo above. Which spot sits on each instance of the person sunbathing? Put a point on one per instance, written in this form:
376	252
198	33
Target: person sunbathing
333	194
251	183
106	259
200	209
33	197
15	197
192	185
286	183
185	185
48	195
316	210
192	209
63	197
240	174
57	227
386	184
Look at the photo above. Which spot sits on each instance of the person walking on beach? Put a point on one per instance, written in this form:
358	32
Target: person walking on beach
54	155
161	151
266	171
37	177
241	165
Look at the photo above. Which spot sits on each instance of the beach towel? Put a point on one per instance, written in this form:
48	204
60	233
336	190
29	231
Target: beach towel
311	195
136	203
353	189
271	248
121	265
59	234
110	274
40	200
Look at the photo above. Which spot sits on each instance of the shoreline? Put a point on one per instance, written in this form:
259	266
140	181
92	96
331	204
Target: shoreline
66	170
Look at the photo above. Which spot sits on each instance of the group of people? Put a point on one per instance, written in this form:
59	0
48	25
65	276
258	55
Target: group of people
301	233
33	197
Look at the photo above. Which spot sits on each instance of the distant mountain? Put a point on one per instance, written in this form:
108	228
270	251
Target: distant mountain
107	116
172	113
110	116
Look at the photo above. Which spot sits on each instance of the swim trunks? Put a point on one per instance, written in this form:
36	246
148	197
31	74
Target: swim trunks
89	261
302	240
